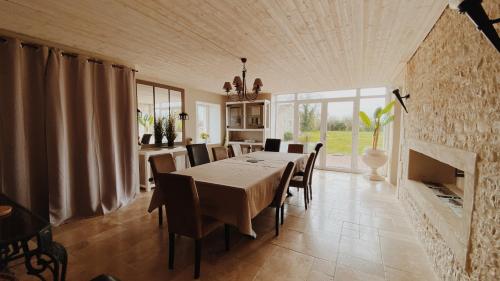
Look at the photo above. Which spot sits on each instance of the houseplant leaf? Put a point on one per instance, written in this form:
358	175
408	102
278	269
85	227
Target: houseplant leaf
387	108
387	119
365	119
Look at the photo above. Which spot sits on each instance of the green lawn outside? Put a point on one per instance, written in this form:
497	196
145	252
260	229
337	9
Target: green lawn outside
341	141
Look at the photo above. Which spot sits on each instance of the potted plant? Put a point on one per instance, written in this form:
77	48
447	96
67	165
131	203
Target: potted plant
374	157
204	136
170	131
159	130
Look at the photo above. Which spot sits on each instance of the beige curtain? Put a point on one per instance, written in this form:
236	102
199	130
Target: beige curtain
23	169
93	152
86	135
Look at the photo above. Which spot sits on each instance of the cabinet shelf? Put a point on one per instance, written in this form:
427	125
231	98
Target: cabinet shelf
248	120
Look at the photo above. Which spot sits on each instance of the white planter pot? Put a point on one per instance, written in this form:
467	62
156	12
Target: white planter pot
375	158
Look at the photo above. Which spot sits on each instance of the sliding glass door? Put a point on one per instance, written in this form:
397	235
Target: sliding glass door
309	121
331	118
339	135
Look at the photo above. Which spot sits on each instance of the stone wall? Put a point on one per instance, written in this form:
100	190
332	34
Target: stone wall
454	82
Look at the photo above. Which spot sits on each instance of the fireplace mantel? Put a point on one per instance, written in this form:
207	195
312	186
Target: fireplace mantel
437	163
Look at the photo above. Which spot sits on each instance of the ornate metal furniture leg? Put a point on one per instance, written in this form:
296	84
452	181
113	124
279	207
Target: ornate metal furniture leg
48	255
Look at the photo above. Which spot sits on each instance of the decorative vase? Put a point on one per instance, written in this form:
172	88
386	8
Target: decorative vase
375	158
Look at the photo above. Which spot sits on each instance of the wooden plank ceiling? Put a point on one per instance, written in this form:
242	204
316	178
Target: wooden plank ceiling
293	45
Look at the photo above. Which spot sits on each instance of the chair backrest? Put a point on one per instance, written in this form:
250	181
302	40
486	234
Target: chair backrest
317	148
309	168
257	148
219	153
245	148
145	138
198	154
236	149
183	205
272	145
295	148
230	151
163	163
280	196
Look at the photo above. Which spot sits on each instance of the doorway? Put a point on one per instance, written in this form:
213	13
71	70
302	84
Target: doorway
331	118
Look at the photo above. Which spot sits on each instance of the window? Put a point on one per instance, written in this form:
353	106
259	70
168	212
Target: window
208	123
145	114
155	101
331	117
284	124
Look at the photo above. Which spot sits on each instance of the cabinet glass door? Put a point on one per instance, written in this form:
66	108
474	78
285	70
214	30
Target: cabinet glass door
235	115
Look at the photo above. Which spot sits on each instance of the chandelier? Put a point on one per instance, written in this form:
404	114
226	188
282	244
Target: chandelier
240	87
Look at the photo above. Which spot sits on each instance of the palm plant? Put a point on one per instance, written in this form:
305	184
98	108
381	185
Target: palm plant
381	117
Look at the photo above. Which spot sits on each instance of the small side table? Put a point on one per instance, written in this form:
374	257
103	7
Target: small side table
179	153
17	229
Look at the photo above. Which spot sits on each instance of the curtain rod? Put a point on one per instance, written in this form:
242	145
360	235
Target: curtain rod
73	55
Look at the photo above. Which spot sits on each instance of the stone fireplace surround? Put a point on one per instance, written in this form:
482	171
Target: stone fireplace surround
453	229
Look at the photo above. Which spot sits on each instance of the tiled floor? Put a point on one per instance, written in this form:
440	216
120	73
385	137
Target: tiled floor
354	230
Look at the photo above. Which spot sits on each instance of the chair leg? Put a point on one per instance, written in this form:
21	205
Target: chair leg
227	231
305	196
310	191
282	214
197	258
171	250
277	221
160	215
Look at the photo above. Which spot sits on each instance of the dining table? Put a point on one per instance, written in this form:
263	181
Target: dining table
237	189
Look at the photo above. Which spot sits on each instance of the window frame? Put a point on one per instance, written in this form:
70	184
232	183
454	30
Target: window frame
357	101
208	105
168	88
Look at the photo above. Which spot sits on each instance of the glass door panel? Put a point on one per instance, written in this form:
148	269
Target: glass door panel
284	124
235	116
309	125
339	140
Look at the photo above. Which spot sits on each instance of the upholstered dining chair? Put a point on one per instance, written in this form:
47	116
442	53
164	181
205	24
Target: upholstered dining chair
184	216
219	153
303	181
257	148
198	154
236	149
272	145
279	198
245	148
317	148
295	148
163	163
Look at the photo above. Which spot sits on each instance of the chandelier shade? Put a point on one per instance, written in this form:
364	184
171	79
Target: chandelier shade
240	87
